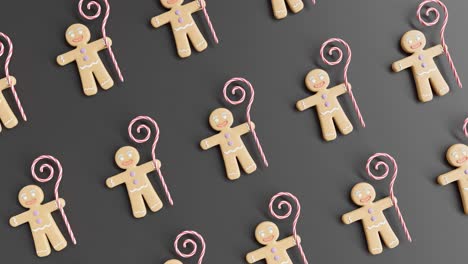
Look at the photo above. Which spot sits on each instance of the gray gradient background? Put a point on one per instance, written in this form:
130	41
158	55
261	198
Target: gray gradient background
275	56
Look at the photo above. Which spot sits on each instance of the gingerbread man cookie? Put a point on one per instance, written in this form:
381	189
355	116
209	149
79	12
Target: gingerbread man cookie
39	217
7	116
371	215
139	187
273	251
328	107
426	73
457	156
183	25
87	58
231	144
280	10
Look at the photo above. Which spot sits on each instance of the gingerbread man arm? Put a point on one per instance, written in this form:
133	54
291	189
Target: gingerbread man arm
4	83
339	90
161	19
149	166
435	51
52	206
385	203
402	64
116	180
307	103
66	58
290	242
100	44
450	177
20	219
352	216
210	142
194	6
244	128
256	255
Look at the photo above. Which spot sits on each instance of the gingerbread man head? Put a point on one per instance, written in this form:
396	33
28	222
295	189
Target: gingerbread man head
413	41
31	196
221	118
127	157
173	261
266	233
317	80
171	3
77	34
363	194
457	155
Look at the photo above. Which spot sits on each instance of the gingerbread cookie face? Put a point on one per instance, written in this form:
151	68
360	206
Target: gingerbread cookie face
173	261
221	119
30	196
77	34
457	155
127	157
413	41
317	80
168	4
363	194
266	233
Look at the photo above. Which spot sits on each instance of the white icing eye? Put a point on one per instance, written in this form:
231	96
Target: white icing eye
216	120
224	116
121	158
72	35
418	38
312	80
321	77
24	197
367	192
359	194
33	193
270	229
261	233
129	154
410	41
80	32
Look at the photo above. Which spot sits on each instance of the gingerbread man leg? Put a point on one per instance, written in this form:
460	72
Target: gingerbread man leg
328	128
342	122
246	161
197	39
41	243
138	204
7	116
439	84
295	5
232	167
103	77
374	243
463	188
88	82
152	199
182	44
279	8
56	238
388	236
424	89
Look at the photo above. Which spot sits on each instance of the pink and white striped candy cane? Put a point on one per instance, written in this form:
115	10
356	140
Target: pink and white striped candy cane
313	2
147	130
202	4
192	243
95	4
465	127
249	107
433	10
7	72
51	170
392	183
287	214
348	62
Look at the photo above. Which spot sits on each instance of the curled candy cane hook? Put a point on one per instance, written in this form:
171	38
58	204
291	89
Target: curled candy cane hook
95	4
192	243
348	62
434	11
140	128
50	168
465	127
386	168
288	206
202	4
249	107
7	72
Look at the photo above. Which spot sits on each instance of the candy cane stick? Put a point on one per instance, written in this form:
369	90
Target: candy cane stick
432	10
287	214
392	183
348	62
51	170
192	243
465	127
249	107
95	4
7	72
202	4
153	148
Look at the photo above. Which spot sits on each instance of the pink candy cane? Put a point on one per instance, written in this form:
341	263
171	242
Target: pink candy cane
465	127
287	214
51	170
95	4
202	4
192	243
153	148
432	10
392	183
348	61
7	72
249	106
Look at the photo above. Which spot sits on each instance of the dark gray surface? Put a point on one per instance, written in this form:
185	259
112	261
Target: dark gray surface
275	56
